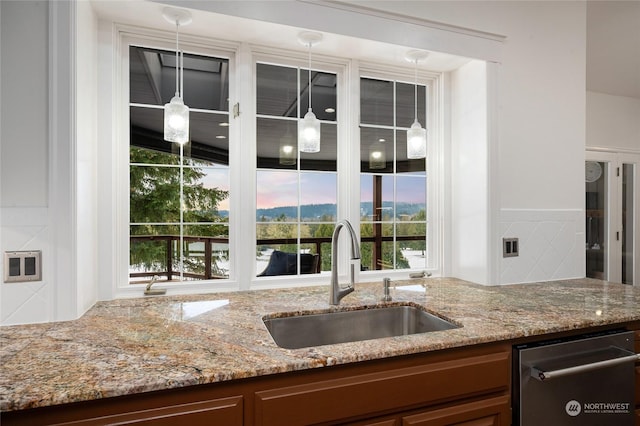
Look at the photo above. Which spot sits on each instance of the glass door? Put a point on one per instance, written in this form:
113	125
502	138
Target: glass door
630	229
596	215
612	219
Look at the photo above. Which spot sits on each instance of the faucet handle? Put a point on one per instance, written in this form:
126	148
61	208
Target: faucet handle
386	283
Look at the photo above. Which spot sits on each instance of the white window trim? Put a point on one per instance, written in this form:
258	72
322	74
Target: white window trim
341	68
126	36
242	239
435	83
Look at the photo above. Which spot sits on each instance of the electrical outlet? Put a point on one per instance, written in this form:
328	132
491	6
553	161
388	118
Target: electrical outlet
22	266
510	247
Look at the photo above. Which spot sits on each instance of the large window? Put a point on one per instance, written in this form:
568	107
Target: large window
296	192
393	188
254	208
170	239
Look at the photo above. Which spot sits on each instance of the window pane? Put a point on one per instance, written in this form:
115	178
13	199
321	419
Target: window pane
410	197
376	150
154	194
152	251
376	197
277	143
206	251
152	79
412	242
405	165
405	105
376	102
209	138
325	159
277	196
206	194
318	197
323	94
277	89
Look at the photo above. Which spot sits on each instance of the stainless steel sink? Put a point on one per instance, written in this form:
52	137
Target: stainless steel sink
304	330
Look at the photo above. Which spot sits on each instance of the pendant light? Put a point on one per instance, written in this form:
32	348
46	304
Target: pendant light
416	135
287	151
309	126
176	113
377	155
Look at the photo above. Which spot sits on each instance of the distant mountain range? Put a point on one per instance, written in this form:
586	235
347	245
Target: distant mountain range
316	211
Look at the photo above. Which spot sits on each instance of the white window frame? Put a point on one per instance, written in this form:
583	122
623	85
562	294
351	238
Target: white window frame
341	67
242	147
434	83
130	36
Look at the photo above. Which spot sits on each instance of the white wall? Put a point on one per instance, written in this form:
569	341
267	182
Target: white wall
24	136
51	208
540	142
613	122
539	188
469	173
24	105
87	158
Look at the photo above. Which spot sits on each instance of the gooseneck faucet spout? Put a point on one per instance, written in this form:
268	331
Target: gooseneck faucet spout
336	292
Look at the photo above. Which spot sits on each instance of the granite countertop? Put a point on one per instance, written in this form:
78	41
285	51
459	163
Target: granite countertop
129	346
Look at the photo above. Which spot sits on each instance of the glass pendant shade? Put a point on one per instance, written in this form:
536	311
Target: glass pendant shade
176	121
309	133
287	154
377	156
416	141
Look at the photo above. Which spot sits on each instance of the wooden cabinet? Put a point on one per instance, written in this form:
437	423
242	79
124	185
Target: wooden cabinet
389	390
462	384
134	410
637	349
468	386
226	411
487	412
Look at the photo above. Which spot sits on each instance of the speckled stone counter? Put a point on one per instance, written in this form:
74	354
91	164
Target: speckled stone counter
130	346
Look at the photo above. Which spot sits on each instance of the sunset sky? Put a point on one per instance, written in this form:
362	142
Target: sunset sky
280	188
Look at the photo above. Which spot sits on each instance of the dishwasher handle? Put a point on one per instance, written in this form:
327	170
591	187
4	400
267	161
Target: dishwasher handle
542	375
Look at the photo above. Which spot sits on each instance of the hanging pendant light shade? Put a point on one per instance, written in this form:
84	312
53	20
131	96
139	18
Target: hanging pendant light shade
287	153
309	126
176	113
377	155
416	135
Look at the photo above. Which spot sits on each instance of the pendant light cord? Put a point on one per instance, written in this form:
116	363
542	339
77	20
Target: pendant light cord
177	59
309	76
415	90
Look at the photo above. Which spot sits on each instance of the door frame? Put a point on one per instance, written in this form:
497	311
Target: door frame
613	223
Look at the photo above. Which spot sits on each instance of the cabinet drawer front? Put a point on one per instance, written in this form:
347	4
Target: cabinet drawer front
638	386
487	412
226	411
372	393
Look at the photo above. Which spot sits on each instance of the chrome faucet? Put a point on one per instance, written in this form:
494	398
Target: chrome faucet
336	292
148	291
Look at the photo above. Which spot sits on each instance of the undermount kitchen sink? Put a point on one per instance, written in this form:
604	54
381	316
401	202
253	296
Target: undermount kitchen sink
316	329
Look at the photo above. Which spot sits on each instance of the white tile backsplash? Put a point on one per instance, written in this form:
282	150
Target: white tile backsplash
551	243
20	303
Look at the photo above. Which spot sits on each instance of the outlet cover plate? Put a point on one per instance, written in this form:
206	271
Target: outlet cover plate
22	266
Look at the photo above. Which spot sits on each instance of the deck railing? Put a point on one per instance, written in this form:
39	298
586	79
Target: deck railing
212	271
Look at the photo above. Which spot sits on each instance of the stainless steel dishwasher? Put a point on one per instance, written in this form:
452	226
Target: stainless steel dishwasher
586	381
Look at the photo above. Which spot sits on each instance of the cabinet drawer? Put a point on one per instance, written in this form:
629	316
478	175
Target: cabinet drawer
385	391
226	411
487	412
